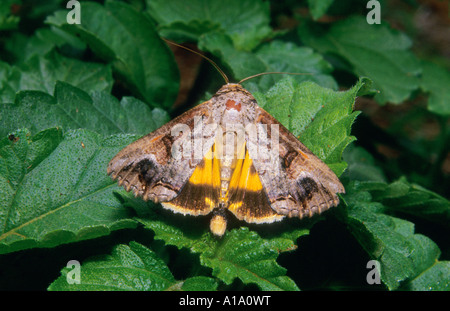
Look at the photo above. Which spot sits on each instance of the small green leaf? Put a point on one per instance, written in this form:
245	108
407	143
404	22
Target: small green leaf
72	108
127	39
245	21
436	80
54	188
132	267
374	51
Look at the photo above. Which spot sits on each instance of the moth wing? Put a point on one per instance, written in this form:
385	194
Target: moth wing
296	181
247	199
200	193
158	165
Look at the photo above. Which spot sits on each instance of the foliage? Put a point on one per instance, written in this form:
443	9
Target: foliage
72	96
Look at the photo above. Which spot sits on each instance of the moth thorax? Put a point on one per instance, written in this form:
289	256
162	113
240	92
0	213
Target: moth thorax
218	225
229	146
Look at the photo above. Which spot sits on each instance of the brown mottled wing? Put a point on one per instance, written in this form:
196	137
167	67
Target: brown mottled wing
148	166
297	183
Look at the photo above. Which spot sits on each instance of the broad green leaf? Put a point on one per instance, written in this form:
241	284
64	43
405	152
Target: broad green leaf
402	254
132	267
320	117
245	21
374	51
72	108
276	56
40	73
55	190
127	39
435	278
435	80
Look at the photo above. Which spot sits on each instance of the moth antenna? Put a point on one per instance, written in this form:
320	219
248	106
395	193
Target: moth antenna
270	73
224	76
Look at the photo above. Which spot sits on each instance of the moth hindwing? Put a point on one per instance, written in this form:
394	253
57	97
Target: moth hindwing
227	154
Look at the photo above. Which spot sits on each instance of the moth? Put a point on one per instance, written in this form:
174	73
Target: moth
227	155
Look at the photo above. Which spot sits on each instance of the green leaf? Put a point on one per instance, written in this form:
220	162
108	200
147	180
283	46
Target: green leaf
436	80
402	254
435	278
374	51
71	108
245	21
401	196
276	56
243	254
127	39
132	267
41	73
320	117
55	190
